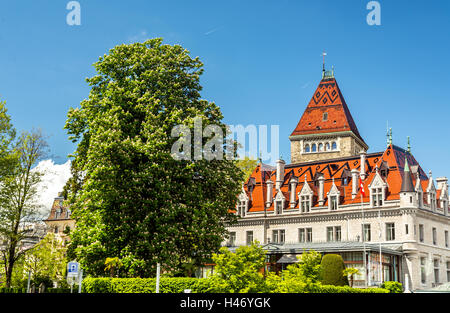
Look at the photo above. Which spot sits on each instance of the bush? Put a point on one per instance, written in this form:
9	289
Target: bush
61	290
144	285
347	289
13	290
393	286
332	267
238	272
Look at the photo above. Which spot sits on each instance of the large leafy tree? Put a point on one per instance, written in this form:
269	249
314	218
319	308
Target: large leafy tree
19	207
131	199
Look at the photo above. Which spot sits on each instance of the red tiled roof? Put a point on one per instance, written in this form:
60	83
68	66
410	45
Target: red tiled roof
327	98
334	169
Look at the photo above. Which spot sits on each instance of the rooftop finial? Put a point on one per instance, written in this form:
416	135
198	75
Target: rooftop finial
409	146
323	63
390	136
387	133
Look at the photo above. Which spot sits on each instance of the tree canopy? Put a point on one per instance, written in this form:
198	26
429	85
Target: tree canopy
131	198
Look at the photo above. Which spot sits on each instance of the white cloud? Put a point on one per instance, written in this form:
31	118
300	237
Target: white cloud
140	37
53	181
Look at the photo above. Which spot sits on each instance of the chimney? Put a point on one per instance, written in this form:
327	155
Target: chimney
321	180
363	164
269	193
280	174
293	182
354	183
442	183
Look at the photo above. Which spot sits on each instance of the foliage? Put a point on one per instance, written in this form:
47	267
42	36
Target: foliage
332	267
303	275
239	271
350	271
18	197
46	261
144	285
111	264
393	286
198	285
131	199
247	165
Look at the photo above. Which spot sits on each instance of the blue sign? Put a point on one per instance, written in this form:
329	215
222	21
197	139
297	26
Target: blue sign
72	268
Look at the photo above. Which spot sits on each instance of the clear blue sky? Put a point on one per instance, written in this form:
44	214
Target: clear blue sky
262	62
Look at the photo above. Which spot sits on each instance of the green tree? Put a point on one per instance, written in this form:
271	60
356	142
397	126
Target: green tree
239	271
247	165
46	260
112	264
350	272
18	191
302	276
332	267
132	199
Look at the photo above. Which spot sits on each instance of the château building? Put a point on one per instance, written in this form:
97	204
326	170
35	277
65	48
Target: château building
59	220
397	231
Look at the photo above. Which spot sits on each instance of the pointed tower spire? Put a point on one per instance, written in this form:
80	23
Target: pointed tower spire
407	184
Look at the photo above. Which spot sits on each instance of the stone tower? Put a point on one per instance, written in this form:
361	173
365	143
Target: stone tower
326	129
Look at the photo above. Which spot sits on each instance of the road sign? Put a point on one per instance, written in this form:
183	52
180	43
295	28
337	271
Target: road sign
73	269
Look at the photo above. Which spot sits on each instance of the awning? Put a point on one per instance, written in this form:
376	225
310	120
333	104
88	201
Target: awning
288	258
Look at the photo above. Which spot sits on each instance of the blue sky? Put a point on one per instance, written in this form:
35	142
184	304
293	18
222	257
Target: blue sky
262	62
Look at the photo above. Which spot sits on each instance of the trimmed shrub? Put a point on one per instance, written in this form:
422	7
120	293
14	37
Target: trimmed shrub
144	285
60	290
393	286
332	267
13	290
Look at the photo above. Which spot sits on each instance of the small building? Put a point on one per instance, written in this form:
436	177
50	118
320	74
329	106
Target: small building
59	220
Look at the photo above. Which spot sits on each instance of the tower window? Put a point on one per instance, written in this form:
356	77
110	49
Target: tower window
307	149
320	147
313	148
325	116
333	145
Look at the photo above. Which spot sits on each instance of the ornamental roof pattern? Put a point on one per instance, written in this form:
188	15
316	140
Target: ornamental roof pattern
337	170
326	99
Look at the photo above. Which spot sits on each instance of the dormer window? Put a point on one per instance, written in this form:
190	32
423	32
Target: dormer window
333	197
377	197
432	197
279	207
305	202
242	208
325	117
378	188
333	203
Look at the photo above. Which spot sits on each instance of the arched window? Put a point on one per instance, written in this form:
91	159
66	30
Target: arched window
307	149
320	147
313	148
327	146
333	145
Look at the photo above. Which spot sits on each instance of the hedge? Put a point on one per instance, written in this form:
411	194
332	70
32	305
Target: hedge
197	285
13	290
144	285
393	286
